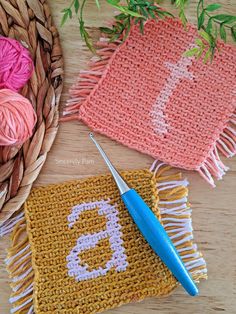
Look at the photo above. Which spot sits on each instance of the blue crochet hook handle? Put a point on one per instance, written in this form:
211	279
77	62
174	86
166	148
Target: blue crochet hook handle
158	239
151	228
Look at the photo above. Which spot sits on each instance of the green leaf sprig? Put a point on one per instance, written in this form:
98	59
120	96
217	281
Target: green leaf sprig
68	13
136	11
211	26
181	4
79	10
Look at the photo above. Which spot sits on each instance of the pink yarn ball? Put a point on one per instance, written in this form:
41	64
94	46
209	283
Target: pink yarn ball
16	65
17	118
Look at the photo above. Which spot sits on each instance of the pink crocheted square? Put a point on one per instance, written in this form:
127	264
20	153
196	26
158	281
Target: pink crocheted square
145	94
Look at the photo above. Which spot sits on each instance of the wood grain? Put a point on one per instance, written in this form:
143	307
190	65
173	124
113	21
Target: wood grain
214	217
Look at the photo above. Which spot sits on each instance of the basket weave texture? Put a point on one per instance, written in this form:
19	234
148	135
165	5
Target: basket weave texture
30	22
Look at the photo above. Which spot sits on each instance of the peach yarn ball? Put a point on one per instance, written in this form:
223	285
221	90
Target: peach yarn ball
17	118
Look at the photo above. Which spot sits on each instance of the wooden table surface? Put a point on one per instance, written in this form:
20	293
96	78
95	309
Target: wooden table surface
214	216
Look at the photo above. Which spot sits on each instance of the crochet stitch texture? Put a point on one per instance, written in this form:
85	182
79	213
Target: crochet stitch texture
145	94
84	253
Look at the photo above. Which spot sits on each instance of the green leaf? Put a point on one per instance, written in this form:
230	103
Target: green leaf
225	18
178	3
85	35
76	6
183	17
192	52
222	32
152	14
121	17
129	12
141	27
97	3
106	30
212	49
209	26
199	42
115	37
154	8
201	19
213	7
113	2
166	13
207	56
181	3
65	17
144	12
206	36
233	33
200	4
70	13
127	30
119	26
200	52
125	10
215	32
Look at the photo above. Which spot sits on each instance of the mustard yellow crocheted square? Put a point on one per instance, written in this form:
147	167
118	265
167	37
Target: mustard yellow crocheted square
89	256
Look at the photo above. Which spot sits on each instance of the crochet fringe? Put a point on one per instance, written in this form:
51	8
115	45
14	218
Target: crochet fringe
8	225
89	80
19	267
176	219
226	144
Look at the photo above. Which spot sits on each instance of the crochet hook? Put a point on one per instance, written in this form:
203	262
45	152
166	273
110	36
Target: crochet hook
150	227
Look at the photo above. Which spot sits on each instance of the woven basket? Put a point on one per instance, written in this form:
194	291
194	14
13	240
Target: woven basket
30	22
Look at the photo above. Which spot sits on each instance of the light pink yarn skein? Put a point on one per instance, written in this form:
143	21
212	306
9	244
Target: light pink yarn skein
17	118
16	65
